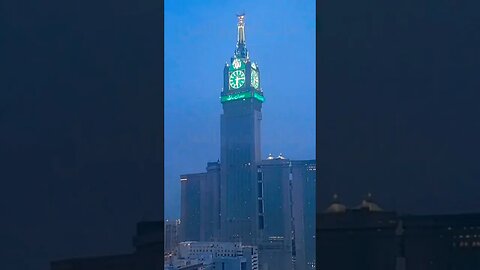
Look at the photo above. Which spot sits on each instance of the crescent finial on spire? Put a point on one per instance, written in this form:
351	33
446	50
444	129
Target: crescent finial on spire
241	50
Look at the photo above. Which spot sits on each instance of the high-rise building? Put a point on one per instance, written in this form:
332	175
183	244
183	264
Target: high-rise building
171	235
190	210
210	204
200	205
148	242
242	198
287	203
275	204
242	99
303	175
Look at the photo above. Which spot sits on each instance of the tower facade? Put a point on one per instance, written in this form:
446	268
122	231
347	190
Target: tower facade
242	99
200	205
304	205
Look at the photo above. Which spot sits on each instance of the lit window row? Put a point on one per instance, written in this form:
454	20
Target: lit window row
467	236
468	244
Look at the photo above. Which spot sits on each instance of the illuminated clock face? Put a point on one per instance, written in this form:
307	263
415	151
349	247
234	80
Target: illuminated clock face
236	79
254	79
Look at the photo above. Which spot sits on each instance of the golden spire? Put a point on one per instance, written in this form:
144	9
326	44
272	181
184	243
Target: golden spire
241	28
241	50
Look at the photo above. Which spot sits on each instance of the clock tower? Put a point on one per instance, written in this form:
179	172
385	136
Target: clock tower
242	97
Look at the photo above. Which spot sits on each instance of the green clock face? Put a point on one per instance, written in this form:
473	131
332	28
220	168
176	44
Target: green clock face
236	79
254	80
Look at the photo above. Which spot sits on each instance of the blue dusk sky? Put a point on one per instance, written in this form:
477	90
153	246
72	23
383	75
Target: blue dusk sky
200	36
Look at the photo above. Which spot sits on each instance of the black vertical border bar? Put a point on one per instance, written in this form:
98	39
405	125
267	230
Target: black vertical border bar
161	140
317	117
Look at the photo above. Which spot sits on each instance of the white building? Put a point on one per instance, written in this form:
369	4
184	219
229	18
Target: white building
214	255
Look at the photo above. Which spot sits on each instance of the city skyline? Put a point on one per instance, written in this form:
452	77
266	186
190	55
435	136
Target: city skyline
291	98
82	112
268	202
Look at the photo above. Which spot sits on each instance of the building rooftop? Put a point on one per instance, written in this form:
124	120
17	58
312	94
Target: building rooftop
336	206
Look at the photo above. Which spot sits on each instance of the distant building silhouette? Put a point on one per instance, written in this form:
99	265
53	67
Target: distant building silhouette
367	237
442	242
360	238
148	253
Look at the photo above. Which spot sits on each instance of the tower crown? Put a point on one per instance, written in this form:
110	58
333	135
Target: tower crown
241	75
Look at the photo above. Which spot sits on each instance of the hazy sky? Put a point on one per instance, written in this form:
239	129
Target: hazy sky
199	38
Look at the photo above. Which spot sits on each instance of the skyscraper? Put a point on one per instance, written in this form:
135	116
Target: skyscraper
276	235
288	207
303	211
171	235
242	99
190	211
243	198
200	205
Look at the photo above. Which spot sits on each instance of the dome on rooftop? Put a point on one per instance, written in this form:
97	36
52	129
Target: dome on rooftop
336	206
368	203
